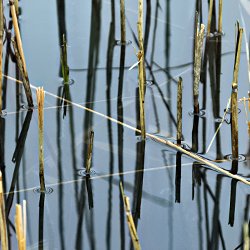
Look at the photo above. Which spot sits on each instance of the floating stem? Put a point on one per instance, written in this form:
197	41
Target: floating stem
179	111
90	150
3	226
141	68
234	95
123	22
130	221
197	64
40	94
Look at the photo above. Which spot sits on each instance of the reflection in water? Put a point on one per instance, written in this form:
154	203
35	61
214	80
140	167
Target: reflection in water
109	65
195	135
232	202
60	173
120	131
140	157
17	156
178	178
89	191
41	221
61	24
147	26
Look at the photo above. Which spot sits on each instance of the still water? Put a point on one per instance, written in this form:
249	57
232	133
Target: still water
175	205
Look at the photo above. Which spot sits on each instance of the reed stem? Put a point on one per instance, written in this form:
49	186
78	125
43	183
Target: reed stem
179	111
64	61
234	96
197	64
220	16
130	221
40	94
123	22
17	32
20	229
24	74
211	3
1	52
141	68
90	150
246	236
3	226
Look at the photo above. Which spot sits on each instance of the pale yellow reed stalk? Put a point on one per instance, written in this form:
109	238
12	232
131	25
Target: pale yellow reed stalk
40	94
3	226
20	224
130	221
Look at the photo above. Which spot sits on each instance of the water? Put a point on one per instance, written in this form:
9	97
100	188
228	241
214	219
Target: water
187	207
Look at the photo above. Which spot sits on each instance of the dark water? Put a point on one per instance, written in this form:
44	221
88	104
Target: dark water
176	203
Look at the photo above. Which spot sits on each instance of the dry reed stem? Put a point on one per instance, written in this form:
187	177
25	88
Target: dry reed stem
123	22
3	226
151	136
234	97
19	224
40	102
130	221
141	68
220	16
17	32
90	150
211	3
16	7
197	64
24	74
246	236
179	111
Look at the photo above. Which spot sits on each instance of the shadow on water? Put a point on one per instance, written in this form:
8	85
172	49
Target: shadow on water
109	66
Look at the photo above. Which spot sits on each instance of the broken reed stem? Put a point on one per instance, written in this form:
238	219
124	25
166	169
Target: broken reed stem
20	229
130	221
123	24
90	150
179	111
3	226
141	68
234	97
40	94
197	64
64	61
24	74
211	3
220	17
17	32
1	52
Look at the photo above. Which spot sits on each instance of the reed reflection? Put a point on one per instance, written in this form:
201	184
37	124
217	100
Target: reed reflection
109	66
17	156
